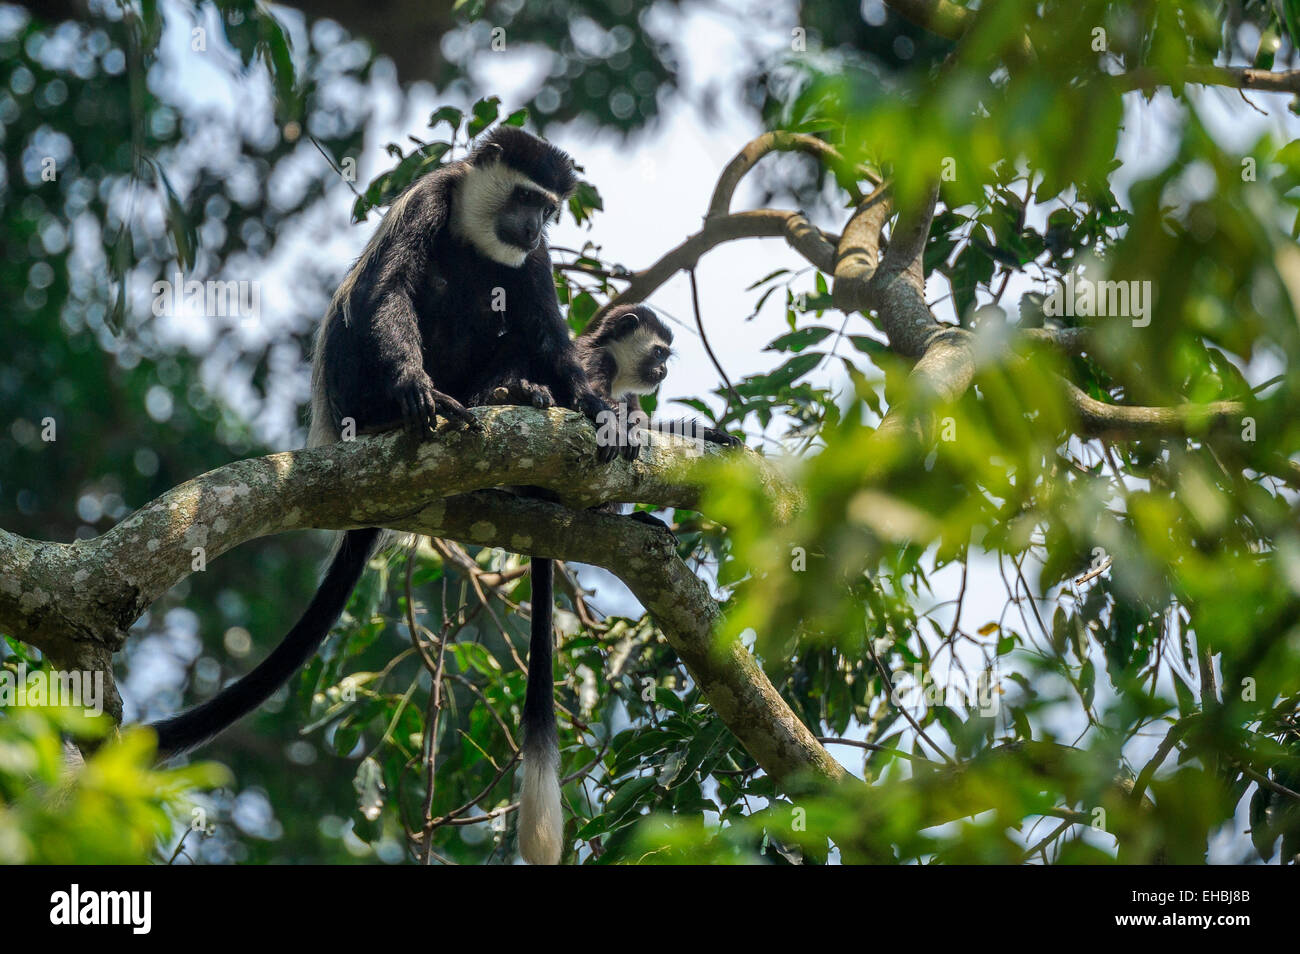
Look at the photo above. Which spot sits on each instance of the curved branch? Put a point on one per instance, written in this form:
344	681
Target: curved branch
846	174
1069	341
804	237
906	253
858	252
1099	419
894	287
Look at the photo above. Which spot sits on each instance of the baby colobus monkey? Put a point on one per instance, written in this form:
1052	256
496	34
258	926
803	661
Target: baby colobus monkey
452	298
625	354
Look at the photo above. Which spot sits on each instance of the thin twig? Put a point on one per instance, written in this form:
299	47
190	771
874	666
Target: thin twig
889	685
699	323
874	747
333	165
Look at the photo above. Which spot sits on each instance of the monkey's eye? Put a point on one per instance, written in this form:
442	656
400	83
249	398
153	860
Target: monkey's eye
660	353
550	210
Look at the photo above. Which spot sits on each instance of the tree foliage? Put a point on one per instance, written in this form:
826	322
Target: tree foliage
1129	480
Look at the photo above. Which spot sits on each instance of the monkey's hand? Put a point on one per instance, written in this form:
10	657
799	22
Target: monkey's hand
714	436
420	403
522	392
615	432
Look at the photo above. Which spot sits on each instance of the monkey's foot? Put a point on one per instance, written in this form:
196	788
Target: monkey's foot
650	520
616	434
522	392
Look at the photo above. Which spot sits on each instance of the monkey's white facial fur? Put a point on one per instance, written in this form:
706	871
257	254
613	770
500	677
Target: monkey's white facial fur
641	359
480	198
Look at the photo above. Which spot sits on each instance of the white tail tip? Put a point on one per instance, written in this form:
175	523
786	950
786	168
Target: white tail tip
541	821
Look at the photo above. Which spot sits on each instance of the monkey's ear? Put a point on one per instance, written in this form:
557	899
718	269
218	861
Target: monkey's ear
626	323
489	154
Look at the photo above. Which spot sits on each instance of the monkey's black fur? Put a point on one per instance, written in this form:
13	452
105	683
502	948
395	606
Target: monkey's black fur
429	321
539	692
185	731
403	334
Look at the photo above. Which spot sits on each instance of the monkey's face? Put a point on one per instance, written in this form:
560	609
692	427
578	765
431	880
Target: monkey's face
522	219
641	360
503	213
654	364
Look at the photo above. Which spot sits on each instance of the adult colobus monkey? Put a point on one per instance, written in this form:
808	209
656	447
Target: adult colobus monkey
625	354
452	298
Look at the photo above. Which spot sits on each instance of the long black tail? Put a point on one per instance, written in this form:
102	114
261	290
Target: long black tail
541	824
190	729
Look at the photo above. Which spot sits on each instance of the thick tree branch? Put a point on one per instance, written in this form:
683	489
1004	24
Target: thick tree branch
76	601
1069	341
906	253
92	590
894	287
941	375
1099	419
858	253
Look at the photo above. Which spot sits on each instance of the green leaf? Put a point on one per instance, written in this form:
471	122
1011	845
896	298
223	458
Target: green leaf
1291	13
581	309
1262	834
782	377
584	201
369	785
484	114
275	46
447	114
669	700
767	278
798	340
1021	721
1088	682
179	224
